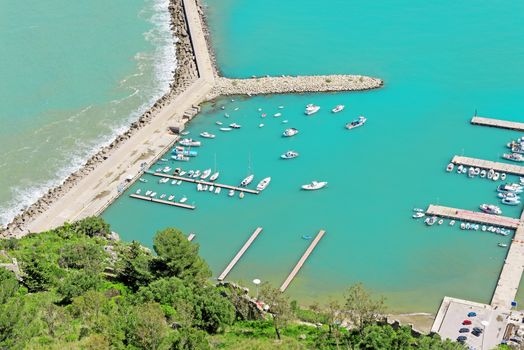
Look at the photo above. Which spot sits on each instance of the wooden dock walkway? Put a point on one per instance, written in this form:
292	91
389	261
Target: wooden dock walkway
472	216
197	181
161	201
511	274
239	254
497	123
191	237
302	260
487	164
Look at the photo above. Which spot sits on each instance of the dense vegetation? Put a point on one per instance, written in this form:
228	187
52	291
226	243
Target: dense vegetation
77	288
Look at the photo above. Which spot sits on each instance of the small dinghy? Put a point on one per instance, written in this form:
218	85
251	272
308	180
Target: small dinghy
207	135
450	167
226	129
231	193
338	108
138	191
314	185
241	195
183	199
483	173
217	190
276	115
171	197
290	132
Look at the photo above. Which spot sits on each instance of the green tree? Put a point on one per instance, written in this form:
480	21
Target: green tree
360	306
134	266
8	285
37	275
92	226
213	311
82	255
149	328
178	257
278	306
186	338
77	283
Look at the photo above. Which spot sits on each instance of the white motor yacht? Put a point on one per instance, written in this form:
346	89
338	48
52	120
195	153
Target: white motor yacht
314	185
247	180
289	155
338	108
214	176
490	209
290	132
207	135
235	126
356	123
183	199
263	184
311	109
190	143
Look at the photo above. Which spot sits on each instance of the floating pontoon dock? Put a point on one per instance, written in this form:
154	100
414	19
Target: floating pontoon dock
487	164
302	260
239	254
197	181
497	123
472	216
161	201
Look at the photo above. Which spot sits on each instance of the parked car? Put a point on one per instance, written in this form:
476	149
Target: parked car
462	339
478	329
476	334
472	314
466	322
464	330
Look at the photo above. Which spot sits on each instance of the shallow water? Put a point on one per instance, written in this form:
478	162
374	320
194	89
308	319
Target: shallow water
436	76
74	74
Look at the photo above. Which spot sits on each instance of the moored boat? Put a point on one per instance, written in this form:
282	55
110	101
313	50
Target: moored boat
338	108
314	185
190	143
207	135
290	132
490	209
418	215
205	174
235	126
356	123
247	180
311	109
515	157
450	167
214	176
289	155
430	221
263	184
226	129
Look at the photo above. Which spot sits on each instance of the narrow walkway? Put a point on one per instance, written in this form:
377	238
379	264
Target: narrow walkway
239	254
472	216
302	260
497	123
197	181
487	164
161	201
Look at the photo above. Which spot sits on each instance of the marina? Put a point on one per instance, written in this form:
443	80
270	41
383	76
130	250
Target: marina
302	260
471	216
240	253
161	201
202	182
497	123
488	164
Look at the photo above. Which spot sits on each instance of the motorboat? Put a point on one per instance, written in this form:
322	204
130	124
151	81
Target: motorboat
508	195
418	210
231	193
464	170
471	172
263	184
285	121
190	173
260	125
166	169
235	126
452	223
247	180
510	201
148	193
184	152
483	173
515	157
211	188
503	176
207	135
311	109
214	176
491	172
314	185
459	168
183	199
217	190
418	215
190	143
356	123
276	115
490	209
280	107
289	155
226	129
290	132
510	187
462	226
484	228
477	171
182	173
163	181
307	237
179	182
138	191
184	133
171	197
142	180
430	221
441	221
218	122
502	245
450	167
153	194
241	195
205	188
205	174
496	176
196	174
338	108
199	187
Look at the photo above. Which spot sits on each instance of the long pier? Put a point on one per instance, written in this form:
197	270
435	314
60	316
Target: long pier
497	123
161	201
302	260
487	164
239	254
472	216
197	181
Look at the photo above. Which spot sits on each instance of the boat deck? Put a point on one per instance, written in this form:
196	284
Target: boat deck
472	216
240	253
487	164
162	201
197	181
302	260
497	123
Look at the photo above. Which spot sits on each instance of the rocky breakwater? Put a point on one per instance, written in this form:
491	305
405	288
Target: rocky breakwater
293	84
185	73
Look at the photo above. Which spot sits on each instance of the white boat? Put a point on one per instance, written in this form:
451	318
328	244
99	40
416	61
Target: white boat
290	132
276	115
311	109
452	223
261	125
471	172
153	194
484	228
280	107
166	169
199	187
490	209
205	188
441	221
450	167
184	133
459	168
418	210
496	176
289	155
510	201
174	182
477	171
225	129
163	181
508	195
138	191
218	122
338	108
510	187
142	180
179	182
171	197
241	195
314	185
214	176
235	126
462	226
148	193
180	158
430	221
418	215
183	199
217	190
211	188
502	245
190	173
491	172
196	173
483	173
205	174
190	143
247	180
515	157
231	193
263	184
503	176
356	123
207	135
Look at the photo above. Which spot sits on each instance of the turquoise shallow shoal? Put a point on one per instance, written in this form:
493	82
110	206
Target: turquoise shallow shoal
440	61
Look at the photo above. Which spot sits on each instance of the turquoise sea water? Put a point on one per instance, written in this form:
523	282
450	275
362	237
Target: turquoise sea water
440	61
73	73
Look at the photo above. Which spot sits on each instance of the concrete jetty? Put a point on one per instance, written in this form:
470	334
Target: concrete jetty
488	164
161	201
302	260
497	123
203	182
239	254
472	216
